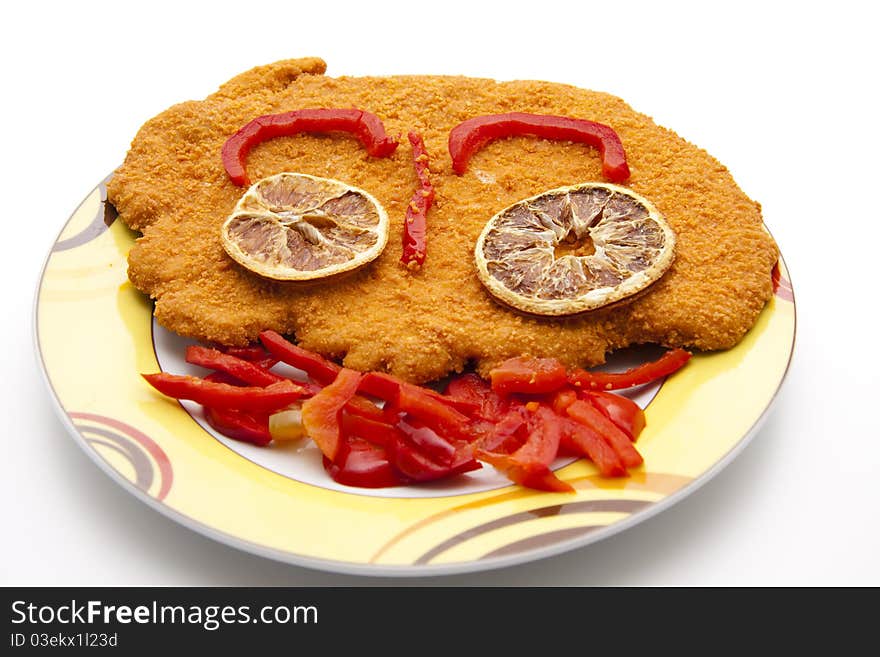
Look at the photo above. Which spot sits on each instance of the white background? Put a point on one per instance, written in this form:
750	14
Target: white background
783	94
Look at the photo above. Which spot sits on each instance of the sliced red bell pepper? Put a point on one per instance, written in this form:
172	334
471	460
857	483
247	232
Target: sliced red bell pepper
468	387
364	465
469	136
226	396
536	476
433	412
420	467
252	353
563	399
320	414
503	435
591	417
542	443
422	454
386	387
240	425
624	412
530	464
421	435
363	407
428	442
381	386
672	361
372	430
475	390
219	376
224	377
365	126
241	369
415	226
528	375
583	441
316	366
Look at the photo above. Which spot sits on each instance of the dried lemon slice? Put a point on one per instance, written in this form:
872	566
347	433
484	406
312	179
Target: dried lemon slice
297	227
574	249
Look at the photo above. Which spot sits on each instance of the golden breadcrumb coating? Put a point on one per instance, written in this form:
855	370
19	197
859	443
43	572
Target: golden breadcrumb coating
421	325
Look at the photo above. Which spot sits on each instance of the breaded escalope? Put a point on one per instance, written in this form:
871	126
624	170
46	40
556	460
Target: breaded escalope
421	325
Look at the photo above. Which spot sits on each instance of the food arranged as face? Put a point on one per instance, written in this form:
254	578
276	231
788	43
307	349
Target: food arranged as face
528	227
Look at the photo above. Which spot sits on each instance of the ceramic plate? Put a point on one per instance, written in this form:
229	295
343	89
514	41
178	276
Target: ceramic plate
95	334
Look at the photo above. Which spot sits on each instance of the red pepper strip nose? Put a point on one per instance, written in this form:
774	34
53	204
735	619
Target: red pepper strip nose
367	127
469	136
415	228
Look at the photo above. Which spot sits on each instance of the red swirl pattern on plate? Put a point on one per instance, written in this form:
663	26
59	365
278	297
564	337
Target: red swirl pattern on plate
138	448
781	285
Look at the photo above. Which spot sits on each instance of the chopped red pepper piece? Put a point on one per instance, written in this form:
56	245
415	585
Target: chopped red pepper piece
543	442
256	354
433	412
364	465
530	464
247	427
415	228
672	361
501	437
223	395
253	353
243	370
320	414
592	418
427	441
530	475
316	366
365	126
472	388
583	441
363	407
416	451
386	387
224	377
624	412
469	387
528	375
563	399
380	385
537	476
420	467
372	430
469	136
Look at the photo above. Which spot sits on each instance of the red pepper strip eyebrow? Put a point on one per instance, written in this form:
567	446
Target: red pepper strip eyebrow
415	227
367	127
469	136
